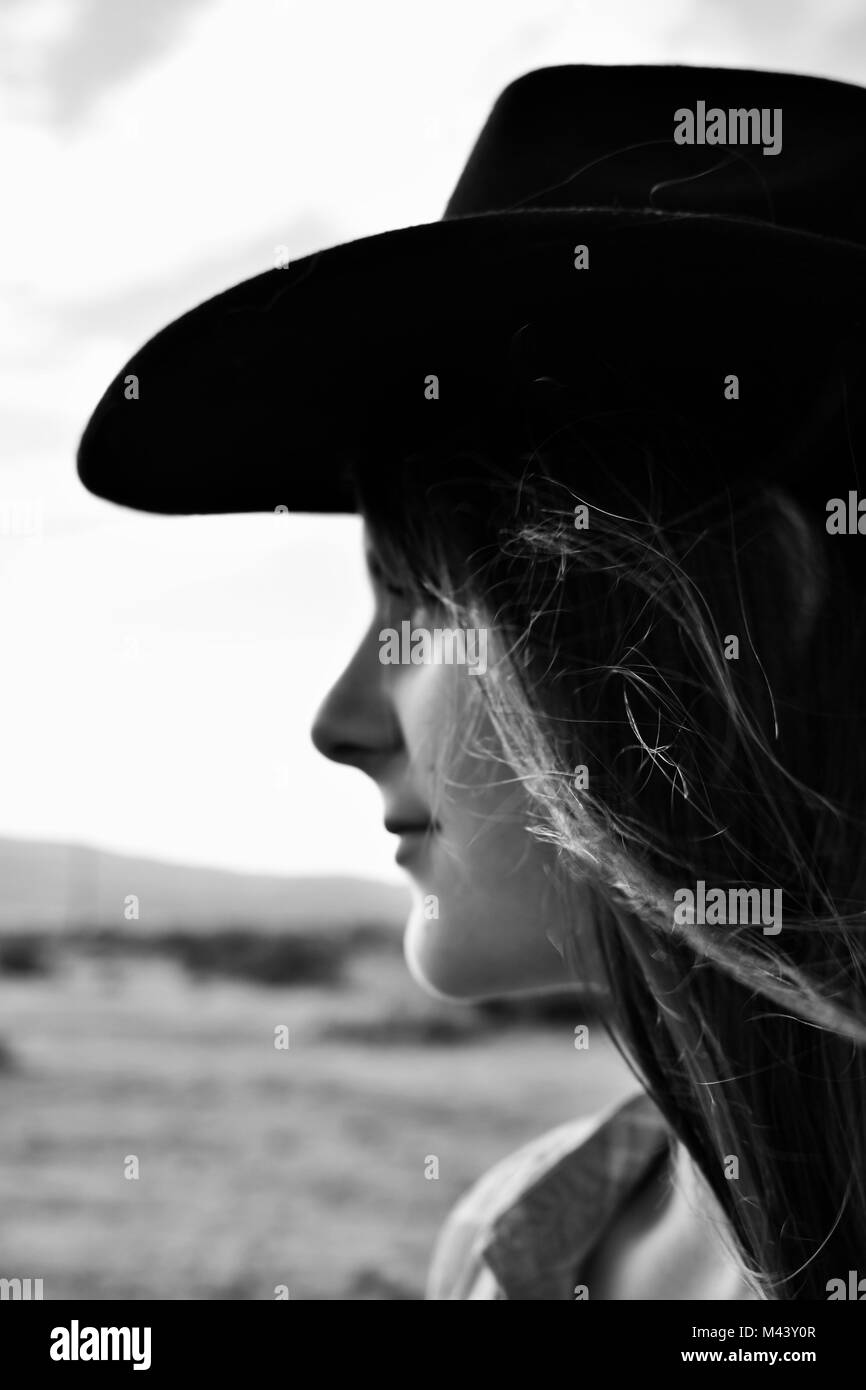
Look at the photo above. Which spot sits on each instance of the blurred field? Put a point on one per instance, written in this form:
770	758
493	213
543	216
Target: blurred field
258	1167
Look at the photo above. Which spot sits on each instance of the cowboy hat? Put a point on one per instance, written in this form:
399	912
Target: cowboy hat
677	242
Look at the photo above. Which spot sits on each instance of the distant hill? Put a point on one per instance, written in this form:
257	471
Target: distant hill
47	884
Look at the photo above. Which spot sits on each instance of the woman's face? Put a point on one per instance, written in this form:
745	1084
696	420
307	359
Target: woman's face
488	902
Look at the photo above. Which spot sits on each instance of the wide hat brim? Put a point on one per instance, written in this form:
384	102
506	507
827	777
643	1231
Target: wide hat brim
261	397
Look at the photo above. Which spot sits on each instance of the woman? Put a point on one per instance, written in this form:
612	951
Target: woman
604	444
607	656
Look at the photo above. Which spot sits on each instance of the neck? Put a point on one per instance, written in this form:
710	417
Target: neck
668	1243
695	1230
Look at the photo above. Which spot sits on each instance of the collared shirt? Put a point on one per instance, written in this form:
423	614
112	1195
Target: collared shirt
524	1229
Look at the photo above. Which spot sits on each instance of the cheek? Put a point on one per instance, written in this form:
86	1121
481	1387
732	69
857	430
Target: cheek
488	925
458	766
487	894
435	708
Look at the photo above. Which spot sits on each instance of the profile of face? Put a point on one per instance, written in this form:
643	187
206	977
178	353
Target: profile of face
488	901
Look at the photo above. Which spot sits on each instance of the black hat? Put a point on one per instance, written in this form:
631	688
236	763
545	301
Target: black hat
681	243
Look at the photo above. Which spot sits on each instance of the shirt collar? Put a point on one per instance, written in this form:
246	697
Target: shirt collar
537	1243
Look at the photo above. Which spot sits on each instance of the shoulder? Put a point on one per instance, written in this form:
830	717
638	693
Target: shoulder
524	1221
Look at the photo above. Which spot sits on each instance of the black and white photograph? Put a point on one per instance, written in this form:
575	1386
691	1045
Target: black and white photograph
433	579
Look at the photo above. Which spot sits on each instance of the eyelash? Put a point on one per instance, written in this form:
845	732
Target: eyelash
414	601
393	589
408	604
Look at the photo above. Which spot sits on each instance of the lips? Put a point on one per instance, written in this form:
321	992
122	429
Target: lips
407	827
416	837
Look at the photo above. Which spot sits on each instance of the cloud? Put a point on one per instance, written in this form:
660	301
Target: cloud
59	59
827	40
149	303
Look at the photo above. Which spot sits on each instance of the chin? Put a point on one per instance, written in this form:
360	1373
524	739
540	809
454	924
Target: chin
440	959
445	973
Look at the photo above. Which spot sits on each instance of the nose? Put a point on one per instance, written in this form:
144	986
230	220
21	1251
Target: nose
356	722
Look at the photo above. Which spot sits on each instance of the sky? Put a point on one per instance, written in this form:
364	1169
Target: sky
161	673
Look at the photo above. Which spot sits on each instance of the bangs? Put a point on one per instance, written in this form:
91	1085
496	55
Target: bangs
433	525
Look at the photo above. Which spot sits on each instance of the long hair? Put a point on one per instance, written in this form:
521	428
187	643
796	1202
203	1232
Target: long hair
659	754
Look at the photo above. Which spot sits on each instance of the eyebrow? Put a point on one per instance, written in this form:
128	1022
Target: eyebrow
380	576
375	568
373	563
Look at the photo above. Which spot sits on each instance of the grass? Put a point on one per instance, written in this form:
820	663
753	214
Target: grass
258	1166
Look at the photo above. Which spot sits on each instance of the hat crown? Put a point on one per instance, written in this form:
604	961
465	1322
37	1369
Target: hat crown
581	136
